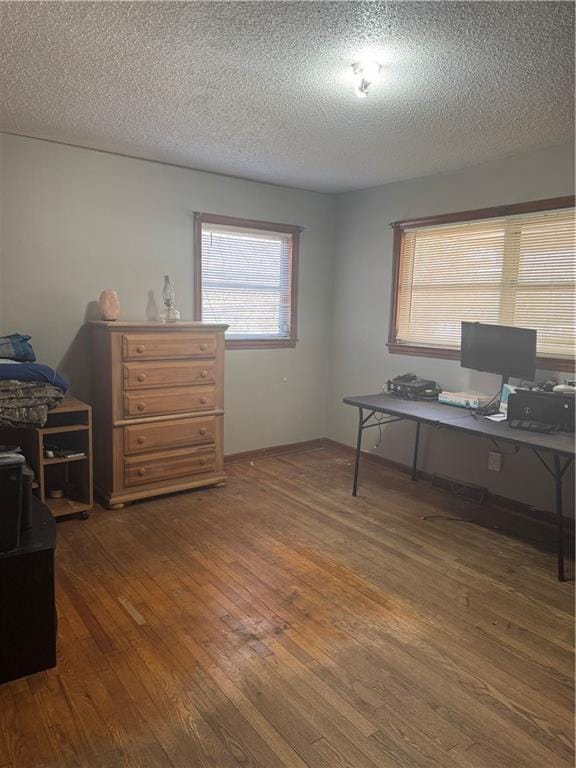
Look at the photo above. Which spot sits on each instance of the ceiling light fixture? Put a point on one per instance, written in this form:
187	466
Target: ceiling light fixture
366	73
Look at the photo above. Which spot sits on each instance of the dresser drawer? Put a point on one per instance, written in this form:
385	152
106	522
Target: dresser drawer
170	434
159	402
169	465
168	374
163	345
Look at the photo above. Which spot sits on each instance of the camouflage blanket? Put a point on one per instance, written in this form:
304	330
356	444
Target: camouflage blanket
26	403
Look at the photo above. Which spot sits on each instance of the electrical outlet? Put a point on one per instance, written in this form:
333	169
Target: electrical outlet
495	461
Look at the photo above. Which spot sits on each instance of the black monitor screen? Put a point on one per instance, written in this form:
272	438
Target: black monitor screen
499	349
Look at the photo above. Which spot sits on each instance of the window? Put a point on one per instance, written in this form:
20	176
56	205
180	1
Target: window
513	265
246	276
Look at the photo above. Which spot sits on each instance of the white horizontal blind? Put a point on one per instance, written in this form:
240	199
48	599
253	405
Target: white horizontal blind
247	281
514	270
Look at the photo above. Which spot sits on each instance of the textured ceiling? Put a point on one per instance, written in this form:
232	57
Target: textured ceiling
262	90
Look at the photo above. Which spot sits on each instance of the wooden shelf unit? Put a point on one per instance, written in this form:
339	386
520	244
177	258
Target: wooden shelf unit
70	425
64	459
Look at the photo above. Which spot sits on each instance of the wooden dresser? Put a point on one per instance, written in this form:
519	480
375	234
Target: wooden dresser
158	401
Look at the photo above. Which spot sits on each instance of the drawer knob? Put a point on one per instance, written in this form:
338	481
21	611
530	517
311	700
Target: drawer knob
203	347
141	406
204	373
141	348
141	377
141	439
202	461
203	401
141	471
202	430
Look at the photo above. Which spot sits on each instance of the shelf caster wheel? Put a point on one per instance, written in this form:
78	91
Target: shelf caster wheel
84	515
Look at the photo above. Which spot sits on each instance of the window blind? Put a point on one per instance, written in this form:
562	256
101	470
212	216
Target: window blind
246	279
514	270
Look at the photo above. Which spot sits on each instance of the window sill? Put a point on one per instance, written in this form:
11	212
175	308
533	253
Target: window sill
260	343
542	363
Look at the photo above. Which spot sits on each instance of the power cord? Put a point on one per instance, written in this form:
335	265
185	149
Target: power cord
487	408
505	453
380	420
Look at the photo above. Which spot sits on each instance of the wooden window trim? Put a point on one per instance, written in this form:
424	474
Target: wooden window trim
396	348
212	218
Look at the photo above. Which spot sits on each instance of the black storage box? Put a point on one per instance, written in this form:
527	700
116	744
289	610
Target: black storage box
554	408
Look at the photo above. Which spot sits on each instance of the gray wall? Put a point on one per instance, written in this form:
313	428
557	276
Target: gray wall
77	221
360	362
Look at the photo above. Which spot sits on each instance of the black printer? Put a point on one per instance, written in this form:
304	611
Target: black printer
540	411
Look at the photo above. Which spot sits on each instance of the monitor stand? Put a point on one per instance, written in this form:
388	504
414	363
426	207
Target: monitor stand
494	407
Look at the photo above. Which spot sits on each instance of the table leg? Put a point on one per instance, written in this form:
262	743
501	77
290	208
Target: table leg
415	458
559	516
358	447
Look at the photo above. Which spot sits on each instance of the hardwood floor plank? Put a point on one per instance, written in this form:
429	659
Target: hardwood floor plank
277	622
302	569
495	617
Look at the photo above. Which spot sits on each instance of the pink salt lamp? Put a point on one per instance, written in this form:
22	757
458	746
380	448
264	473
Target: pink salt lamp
109	305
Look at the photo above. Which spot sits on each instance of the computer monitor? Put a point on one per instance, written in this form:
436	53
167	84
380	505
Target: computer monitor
499	349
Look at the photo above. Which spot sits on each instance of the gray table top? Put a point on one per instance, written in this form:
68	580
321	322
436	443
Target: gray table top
463	420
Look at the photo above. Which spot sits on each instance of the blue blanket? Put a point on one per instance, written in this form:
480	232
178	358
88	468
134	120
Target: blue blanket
32	372
16	347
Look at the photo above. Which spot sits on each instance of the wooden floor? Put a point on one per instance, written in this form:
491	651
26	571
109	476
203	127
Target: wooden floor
279	622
